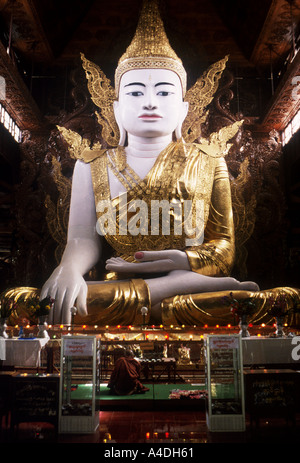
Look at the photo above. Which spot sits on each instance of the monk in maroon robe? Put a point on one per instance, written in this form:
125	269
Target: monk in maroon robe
125	377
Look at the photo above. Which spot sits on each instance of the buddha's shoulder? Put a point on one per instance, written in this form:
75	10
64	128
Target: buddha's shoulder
80	148
89	155
203	149
218	143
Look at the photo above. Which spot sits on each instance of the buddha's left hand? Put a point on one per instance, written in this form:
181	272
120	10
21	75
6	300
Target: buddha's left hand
151	262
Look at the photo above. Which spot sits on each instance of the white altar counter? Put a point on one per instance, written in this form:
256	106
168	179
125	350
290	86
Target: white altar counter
268	351
24	352
2	349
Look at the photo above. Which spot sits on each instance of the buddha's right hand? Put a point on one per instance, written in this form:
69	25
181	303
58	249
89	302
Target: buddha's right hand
67	287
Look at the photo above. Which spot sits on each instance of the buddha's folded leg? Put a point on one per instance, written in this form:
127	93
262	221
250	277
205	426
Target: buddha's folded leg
120	303
211	309
116	303
108	302
19	297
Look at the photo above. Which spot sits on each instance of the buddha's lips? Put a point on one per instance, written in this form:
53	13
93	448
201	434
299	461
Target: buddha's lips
150	117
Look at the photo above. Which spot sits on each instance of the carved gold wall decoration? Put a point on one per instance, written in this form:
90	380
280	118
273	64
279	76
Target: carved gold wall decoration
286	101
18	100
243	214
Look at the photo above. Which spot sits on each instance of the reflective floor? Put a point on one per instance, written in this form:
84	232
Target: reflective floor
147	426
142	427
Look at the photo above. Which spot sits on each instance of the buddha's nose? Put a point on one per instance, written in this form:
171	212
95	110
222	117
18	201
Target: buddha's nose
150	102
150	106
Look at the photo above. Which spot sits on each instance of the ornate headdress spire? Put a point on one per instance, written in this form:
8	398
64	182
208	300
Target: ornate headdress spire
150	47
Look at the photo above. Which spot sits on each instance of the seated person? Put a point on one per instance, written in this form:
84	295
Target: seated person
125	377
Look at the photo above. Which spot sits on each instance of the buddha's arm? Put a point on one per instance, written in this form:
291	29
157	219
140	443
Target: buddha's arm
66	284
83	243
216	255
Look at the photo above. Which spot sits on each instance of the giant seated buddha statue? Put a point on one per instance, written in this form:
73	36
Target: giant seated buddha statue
161	202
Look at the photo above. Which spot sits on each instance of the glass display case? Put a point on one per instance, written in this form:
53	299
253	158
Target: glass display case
224	373
78	383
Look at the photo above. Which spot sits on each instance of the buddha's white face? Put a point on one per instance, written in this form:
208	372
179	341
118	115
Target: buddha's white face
150	103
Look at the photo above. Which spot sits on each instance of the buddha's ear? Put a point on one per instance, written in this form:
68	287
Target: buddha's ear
178	130
119	123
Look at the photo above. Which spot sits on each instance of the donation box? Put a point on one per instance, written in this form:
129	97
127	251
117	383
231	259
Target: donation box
78	372
224	375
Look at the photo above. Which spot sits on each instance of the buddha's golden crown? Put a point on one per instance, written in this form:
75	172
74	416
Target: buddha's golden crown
150	47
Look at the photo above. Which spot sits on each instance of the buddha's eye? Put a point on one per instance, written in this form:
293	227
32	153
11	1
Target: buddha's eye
136	93
164	93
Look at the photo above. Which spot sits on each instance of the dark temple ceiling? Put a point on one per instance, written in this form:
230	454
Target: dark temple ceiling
46	36
53	31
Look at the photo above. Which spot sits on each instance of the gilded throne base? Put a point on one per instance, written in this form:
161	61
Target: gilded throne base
120	302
